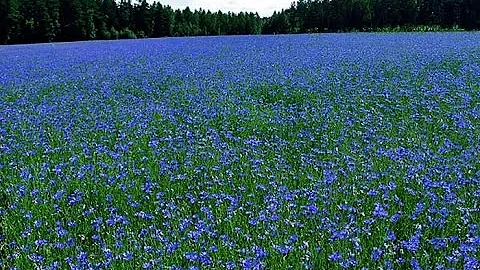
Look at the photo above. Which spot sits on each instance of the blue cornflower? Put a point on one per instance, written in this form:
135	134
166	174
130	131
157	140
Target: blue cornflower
34	192
41	242
413	244
418	209
253	221
471	263
118	244
61	232
335	257
388	265
172	247
395	217
28	215
36	258
284	250
71	224
466	248
75	197
110	222
191	256
82	258
330	176
54	265
311	209
147	265
127	256
260	253
97	223
59	245
194	235
108	254
143	232
380	212
59	195
120	233
96	237
453	239
350	262
376	254
439	243
391	235
415	264
205	259
230	265
293	238
251	263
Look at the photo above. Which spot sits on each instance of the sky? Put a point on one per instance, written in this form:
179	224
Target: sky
263	7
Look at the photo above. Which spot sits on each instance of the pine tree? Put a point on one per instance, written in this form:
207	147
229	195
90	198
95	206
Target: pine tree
10	21
161	21
142	19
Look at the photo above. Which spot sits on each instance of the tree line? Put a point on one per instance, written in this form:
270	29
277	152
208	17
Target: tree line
30	21
306	16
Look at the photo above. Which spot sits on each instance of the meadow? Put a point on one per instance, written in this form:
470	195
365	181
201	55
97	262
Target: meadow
331	151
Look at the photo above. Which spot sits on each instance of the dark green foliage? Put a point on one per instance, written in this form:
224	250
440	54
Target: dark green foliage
127	34
161	22
29	21
307	16
143	19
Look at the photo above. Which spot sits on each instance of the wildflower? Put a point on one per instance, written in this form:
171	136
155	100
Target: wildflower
439	243
376	254
415	264
335	257
413	244
380	212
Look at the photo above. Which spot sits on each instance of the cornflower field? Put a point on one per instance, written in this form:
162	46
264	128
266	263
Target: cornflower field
331	151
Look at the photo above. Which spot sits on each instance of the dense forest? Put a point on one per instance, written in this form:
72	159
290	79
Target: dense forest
29	21
306	16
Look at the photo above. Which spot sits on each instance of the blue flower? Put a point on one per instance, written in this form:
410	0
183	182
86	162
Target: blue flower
335	257
259	252
415	264
75	197
191	256
413	244
395	217
391	235
380	212
205	259
147	265
283	249
41	242
251	263
311	209
36	258
166	146
439	243
471	263
230	265
330	176
376	254
172	247
59	194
